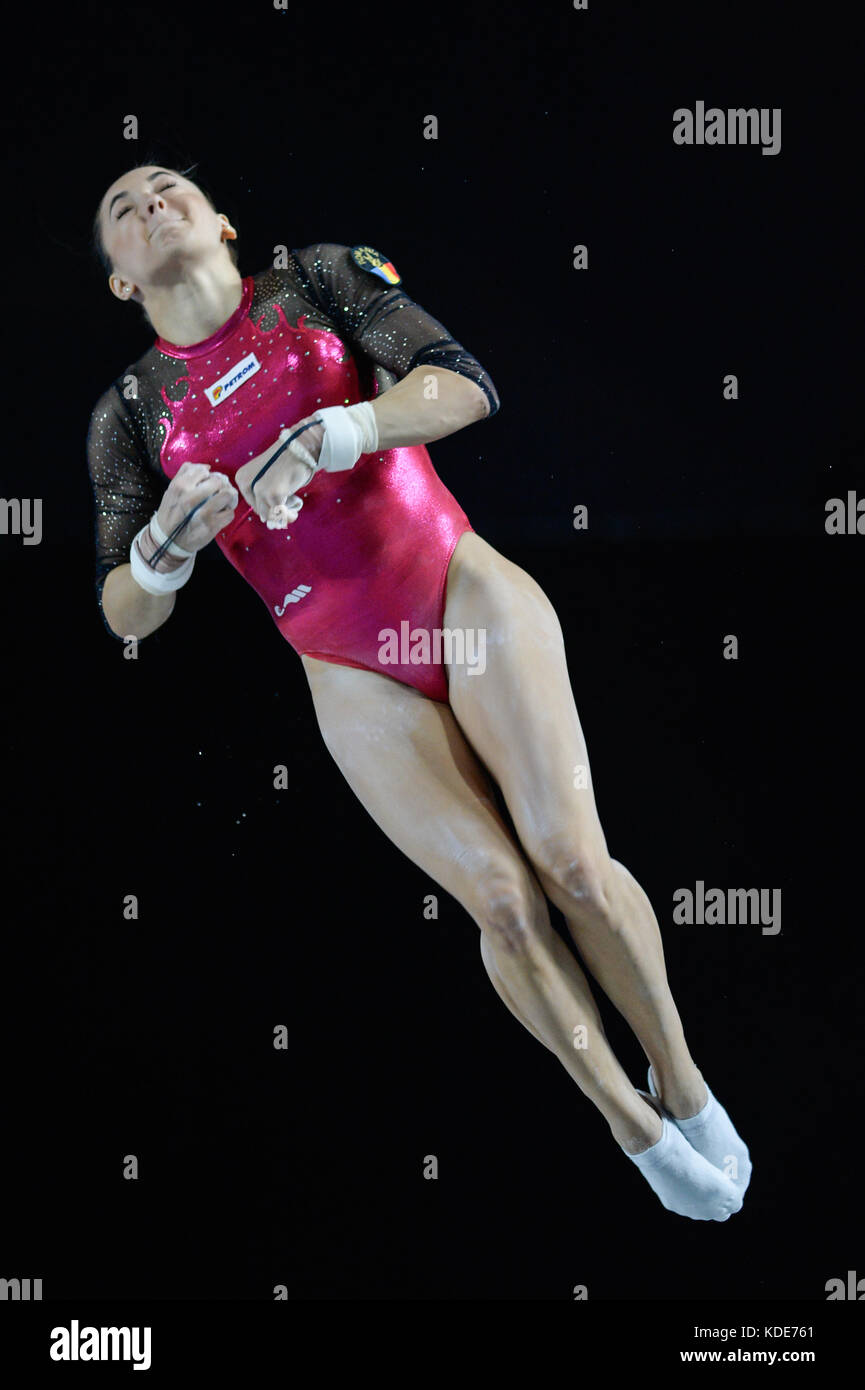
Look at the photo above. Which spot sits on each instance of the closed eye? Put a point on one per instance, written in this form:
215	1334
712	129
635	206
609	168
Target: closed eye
158	190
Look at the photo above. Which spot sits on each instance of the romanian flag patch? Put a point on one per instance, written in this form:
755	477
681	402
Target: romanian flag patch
369	259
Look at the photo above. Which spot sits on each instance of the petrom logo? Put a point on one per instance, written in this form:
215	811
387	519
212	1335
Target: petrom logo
234	377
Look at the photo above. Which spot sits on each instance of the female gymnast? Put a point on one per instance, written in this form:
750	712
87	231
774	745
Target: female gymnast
311	390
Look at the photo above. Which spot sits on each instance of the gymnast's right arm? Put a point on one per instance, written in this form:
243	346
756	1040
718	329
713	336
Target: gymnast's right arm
127	493
128	610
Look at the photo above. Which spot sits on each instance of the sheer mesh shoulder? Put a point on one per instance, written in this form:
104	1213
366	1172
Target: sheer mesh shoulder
380	319
126	491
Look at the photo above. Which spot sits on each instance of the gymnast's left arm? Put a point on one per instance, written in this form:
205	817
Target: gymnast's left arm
430	403
439	388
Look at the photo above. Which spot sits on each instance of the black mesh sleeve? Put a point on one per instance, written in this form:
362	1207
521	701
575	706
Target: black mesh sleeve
126	492
381	319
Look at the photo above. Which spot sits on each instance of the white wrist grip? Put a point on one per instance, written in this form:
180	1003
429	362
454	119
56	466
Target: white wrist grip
150	579
349	431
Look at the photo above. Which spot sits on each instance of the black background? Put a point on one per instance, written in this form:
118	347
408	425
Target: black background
260	908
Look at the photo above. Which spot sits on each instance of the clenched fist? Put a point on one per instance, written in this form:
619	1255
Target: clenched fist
196	487
274	496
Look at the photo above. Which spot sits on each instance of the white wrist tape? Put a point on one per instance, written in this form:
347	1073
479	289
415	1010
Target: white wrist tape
349	431
160	537
150	579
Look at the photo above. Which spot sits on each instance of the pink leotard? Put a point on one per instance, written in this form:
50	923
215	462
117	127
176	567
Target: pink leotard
370	549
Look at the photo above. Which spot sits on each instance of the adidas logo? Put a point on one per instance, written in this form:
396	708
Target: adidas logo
294	597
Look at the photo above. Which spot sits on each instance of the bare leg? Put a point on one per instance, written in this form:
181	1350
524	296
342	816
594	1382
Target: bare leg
679	1104
410	766
622	961
520	718
552	996
408	763
624	952
489	959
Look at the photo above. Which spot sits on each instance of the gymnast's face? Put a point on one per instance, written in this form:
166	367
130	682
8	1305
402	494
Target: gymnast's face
155	222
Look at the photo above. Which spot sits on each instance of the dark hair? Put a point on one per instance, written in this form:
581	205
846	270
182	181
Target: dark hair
98	245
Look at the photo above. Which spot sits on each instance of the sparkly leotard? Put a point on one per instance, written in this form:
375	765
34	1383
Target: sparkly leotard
370	549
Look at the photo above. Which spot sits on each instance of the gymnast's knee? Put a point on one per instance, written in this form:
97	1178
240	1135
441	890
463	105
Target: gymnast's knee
579	880
510	915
